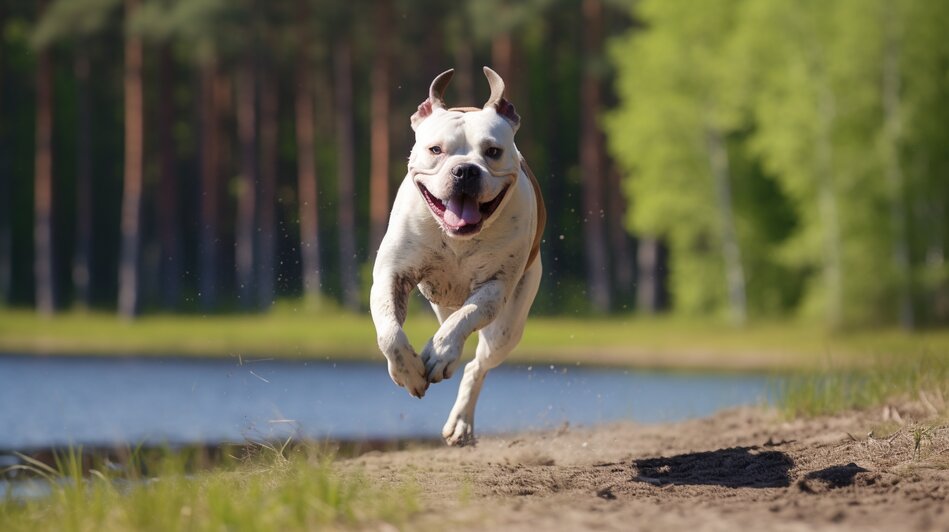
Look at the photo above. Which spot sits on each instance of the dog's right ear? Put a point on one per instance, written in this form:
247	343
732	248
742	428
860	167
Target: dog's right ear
435	100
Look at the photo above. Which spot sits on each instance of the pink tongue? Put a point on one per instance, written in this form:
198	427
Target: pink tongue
461	211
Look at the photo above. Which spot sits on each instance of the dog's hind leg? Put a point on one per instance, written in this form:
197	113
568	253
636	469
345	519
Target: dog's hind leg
495	343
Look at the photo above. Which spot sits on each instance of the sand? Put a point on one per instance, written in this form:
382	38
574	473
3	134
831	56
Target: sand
743	469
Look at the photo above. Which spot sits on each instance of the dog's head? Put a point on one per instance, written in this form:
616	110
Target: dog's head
464	160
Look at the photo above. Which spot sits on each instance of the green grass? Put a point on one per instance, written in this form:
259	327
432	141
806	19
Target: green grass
914	375
275	490
339	335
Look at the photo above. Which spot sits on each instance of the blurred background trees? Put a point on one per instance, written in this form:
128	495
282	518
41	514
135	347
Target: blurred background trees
735	158
769	143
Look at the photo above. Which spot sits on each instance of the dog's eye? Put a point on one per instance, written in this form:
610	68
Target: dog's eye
493	153
435	150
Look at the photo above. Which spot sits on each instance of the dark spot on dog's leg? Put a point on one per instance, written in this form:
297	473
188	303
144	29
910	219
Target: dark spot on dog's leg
401	306
401	288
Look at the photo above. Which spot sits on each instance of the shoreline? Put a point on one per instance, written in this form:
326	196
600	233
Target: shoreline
615	341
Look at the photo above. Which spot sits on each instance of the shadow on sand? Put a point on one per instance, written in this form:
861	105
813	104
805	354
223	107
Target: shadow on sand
737	467
838	476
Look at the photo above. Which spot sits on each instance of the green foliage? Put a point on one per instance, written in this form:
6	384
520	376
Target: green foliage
680	80
74	19
275	489
836	389
834	165
207	29
488	18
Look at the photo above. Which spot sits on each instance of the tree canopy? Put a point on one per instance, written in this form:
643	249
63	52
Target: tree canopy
837	209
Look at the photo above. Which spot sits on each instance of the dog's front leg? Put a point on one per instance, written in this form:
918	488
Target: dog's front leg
443	352
388	302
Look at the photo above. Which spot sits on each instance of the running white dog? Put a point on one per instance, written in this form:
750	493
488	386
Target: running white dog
466	229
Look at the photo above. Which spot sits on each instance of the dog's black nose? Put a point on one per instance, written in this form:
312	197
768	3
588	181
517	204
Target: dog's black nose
467	179
466	171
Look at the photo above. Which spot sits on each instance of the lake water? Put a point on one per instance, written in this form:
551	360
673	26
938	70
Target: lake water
59	401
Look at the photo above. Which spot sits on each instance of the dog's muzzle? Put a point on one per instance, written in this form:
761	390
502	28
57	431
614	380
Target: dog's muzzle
462	214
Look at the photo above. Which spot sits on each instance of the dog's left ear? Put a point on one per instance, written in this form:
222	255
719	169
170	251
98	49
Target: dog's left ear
435	100
498	101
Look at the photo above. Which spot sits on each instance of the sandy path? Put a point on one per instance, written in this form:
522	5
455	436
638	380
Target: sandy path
743	469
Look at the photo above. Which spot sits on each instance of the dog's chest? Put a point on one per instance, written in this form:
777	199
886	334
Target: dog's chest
449	281
444	290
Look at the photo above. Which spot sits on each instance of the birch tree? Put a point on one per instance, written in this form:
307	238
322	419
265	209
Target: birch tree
671	135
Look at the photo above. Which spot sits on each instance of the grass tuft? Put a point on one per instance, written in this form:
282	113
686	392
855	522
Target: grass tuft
276	488
884	378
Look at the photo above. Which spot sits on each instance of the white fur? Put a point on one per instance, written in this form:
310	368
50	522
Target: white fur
474	282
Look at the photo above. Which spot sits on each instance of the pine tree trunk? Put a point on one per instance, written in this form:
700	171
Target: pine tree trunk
247	184
6	237
731	249
267	240
554	189
308	192
648	287
623	266
81	265
168	185
43	184
502	56
346	174
6	230
892	133
210	168
379	128
433	52
464	72
592	164
132	183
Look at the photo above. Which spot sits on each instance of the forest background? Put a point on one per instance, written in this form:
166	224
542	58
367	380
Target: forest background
732	159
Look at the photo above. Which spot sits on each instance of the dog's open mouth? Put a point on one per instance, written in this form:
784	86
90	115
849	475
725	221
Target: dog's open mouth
461	214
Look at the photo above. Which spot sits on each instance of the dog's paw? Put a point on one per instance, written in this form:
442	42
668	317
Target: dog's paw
459	432
441	358
407	370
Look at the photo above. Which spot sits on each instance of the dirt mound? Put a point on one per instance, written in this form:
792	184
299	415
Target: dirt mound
742	468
